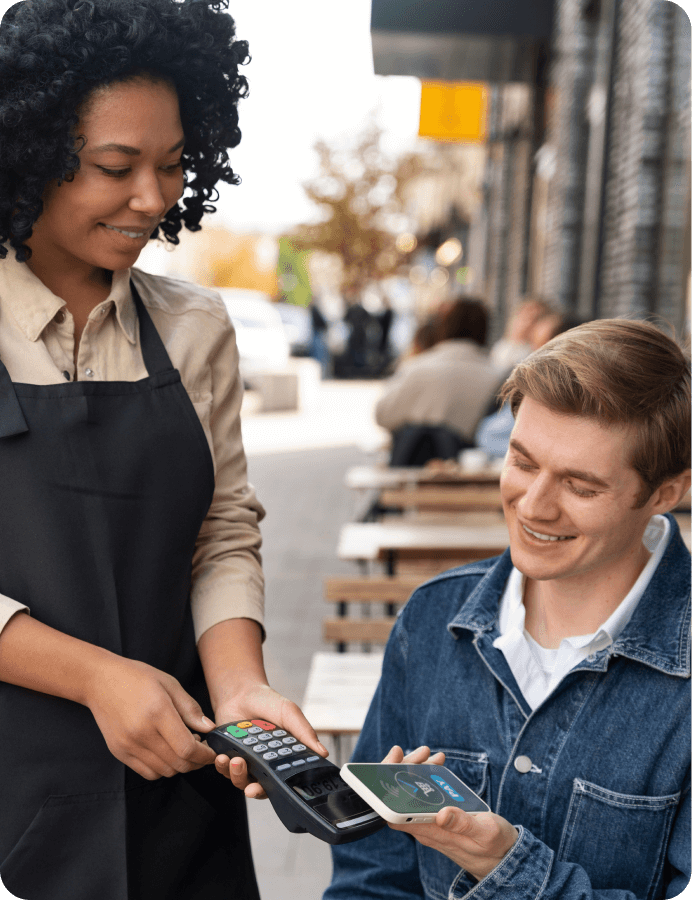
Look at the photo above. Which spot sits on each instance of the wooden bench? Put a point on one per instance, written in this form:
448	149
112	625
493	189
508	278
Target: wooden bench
391	592
339	689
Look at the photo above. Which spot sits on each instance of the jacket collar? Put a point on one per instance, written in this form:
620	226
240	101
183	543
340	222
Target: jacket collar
33	305
657	635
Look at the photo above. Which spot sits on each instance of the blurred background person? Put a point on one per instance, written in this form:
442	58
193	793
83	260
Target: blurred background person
515	344
494	430
433	403
319	349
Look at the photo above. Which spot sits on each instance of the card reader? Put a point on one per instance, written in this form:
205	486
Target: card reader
307	792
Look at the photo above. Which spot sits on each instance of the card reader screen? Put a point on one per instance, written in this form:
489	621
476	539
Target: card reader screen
320	787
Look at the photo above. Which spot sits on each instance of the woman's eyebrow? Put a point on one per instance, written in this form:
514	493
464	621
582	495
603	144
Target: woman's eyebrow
131	151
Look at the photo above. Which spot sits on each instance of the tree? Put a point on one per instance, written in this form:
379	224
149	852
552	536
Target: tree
361	192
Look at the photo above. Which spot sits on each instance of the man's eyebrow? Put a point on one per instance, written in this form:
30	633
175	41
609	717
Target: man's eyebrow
131	151
569	473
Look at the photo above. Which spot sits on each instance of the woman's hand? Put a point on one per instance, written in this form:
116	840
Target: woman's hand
262	702
147	719
476	843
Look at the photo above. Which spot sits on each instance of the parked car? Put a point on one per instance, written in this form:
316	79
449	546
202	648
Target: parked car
260	334
298	327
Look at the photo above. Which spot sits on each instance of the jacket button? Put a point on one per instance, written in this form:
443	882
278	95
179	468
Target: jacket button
60	316
89	373
522	764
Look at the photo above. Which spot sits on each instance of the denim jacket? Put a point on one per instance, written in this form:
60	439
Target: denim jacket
604	811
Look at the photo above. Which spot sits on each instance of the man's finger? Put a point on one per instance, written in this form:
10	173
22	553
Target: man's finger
454	820
395	755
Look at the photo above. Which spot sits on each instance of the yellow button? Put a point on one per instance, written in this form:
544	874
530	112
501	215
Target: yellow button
244	724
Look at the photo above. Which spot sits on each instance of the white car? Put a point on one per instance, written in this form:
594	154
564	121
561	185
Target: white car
260	334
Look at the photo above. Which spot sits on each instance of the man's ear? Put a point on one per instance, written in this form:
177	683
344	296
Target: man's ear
671	492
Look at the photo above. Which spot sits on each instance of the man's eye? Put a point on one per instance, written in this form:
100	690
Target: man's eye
524	466
580	492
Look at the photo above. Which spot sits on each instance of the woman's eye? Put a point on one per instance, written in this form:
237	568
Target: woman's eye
174	167
114	173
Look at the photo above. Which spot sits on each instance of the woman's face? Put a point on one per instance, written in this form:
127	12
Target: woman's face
130	176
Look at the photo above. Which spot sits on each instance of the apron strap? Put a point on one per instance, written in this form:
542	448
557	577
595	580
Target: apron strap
154	353
12	419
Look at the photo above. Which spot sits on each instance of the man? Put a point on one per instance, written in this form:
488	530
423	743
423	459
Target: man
555	679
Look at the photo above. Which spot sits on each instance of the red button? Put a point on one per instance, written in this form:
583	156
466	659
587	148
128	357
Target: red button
267	726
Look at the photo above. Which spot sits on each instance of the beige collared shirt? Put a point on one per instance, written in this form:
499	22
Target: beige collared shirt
37	347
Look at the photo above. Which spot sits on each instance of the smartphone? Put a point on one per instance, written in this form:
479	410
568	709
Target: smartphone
403	793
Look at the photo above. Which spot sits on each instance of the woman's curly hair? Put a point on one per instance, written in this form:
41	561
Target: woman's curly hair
54	53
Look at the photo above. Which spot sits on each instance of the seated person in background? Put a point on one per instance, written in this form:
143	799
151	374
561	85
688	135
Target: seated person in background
515	344
555	679
443	391
493	432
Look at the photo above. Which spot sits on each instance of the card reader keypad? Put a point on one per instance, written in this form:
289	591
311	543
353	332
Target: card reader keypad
272	744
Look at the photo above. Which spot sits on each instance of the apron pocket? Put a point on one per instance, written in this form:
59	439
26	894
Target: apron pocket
71	851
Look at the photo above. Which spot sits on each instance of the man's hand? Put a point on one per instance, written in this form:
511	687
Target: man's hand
477	842
147	719
262	702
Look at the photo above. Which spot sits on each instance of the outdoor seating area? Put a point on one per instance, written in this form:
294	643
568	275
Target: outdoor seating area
427	520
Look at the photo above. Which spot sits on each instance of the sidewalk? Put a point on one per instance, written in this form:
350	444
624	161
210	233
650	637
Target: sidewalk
297	463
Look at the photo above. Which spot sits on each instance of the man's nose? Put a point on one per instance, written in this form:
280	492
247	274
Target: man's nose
539	501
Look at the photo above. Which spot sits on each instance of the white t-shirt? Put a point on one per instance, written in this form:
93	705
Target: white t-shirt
538	670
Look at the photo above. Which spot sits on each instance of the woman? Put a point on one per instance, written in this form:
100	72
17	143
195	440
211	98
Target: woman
128	531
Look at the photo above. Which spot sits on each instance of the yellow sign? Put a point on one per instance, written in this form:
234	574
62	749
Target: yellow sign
453	111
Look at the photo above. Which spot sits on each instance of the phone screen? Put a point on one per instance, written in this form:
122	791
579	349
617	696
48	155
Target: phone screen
416	788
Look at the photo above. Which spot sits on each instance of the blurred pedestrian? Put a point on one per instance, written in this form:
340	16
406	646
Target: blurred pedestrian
515	344
494	430
358	320
319	348
441	392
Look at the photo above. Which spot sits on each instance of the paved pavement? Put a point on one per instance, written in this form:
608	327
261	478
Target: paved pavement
306	502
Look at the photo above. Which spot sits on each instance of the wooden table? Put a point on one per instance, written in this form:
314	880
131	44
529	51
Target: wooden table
394	541
376	478
443	497
338	693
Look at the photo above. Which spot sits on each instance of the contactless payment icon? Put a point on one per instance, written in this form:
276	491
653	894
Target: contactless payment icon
455	795
419	788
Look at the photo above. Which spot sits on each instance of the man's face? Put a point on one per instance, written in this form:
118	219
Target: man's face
568	492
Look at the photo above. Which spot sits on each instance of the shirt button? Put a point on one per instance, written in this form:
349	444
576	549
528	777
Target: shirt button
89	373
66	375
60	316
522	764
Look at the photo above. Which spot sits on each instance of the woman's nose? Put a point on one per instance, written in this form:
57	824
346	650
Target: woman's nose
148	197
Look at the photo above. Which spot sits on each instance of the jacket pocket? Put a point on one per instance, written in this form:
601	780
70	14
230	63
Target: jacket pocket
620	839
67	837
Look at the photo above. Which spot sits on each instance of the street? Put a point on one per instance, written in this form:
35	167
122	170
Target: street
297	463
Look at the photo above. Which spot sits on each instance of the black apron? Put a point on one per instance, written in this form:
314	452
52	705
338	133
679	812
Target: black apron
103	489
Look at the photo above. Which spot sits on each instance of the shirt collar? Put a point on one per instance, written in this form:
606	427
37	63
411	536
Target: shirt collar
33	305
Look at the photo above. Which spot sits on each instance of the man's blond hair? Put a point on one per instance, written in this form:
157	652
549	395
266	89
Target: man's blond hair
619	372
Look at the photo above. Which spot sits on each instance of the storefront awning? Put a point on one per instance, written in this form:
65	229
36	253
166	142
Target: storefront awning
474	40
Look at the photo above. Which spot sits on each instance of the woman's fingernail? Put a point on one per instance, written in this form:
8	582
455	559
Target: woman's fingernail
208	722
322	747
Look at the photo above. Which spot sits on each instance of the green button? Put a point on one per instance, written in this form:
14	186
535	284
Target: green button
236	732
